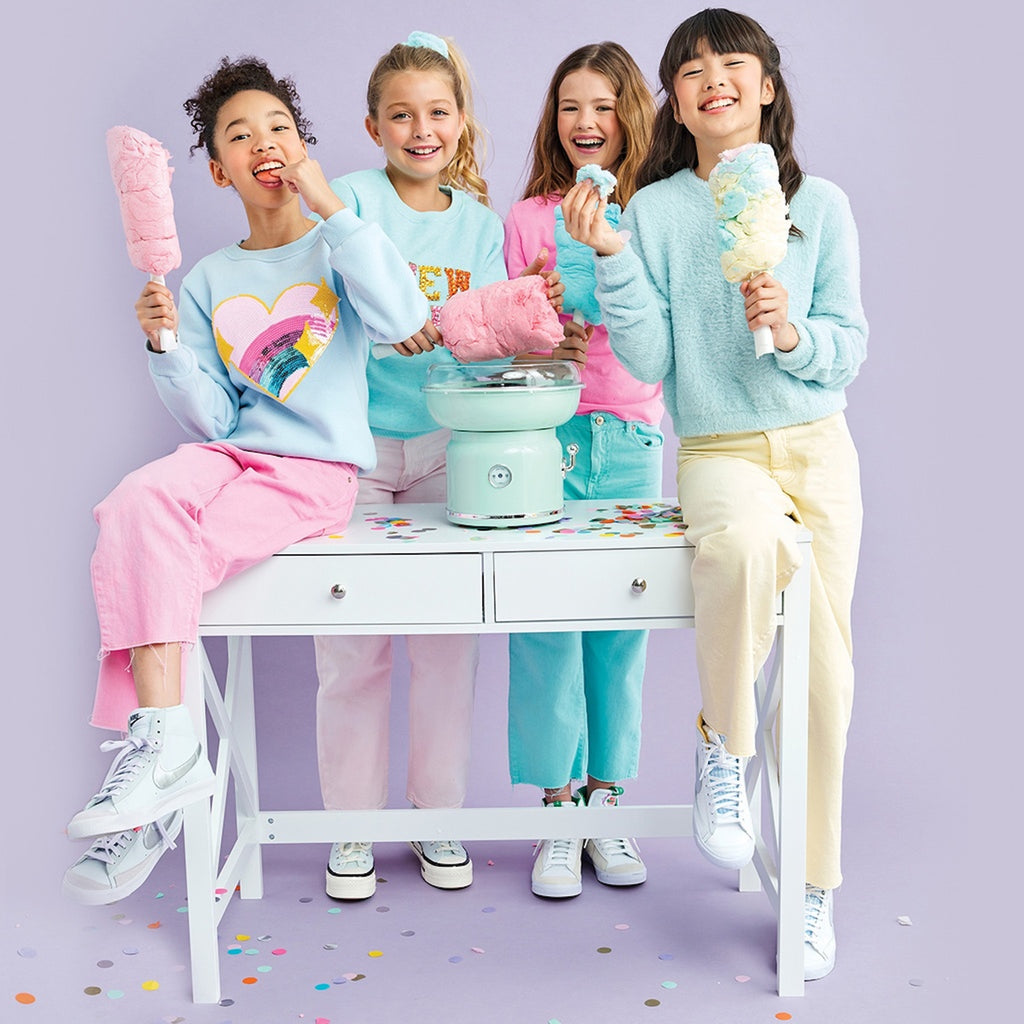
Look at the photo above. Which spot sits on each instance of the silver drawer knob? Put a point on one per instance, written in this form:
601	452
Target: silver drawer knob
638	586
337	591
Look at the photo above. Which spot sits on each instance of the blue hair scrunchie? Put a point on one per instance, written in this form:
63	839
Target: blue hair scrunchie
430	41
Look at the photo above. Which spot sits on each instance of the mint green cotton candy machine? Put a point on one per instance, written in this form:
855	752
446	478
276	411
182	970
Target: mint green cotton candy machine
505	462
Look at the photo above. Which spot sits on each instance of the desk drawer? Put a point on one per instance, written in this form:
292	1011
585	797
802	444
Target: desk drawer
291	590
550	586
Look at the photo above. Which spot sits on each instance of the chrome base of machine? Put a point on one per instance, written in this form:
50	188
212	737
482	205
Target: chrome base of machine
500	521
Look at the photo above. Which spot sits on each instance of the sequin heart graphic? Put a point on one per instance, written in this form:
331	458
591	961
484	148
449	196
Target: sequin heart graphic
276	347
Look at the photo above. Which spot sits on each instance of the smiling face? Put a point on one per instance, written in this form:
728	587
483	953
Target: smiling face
588	125
718	97
254	137
418	124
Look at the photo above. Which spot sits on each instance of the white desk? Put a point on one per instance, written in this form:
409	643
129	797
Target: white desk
405	569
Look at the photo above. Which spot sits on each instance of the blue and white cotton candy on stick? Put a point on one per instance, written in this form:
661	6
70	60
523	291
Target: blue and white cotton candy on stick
753	218
575	261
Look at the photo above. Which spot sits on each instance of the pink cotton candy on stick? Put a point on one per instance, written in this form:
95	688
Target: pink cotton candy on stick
500	320
142	178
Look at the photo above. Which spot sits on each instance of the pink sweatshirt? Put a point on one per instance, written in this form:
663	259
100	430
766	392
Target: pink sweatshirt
529	227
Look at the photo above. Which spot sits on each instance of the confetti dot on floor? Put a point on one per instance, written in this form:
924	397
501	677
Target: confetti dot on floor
742	978
104	963
226	1002
252	952
783	1016
264	969
408	932
322	986
905	921
249	981
129	951
330	945
25	998
665	956
92	990
27	952
455	959
375	953
264	938
488	910
322	1020
652	1002
115	993
477	949
350	977
604	949
151	986
235	951
358	977
622	927
916	982
182	910
241	938
154	924
334	910
305	899
383	910
278	952
668	984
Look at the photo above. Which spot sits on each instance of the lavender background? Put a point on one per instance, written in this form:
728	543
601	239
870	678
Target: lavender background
910	115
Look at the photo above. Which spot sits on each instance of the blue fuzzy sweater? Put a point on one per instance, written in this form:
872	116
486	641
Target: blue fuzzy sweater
673	317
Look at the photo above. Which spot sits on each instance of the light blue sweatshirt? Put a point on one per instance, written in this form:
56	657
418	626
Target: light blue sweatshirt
673	317
447	251
274	342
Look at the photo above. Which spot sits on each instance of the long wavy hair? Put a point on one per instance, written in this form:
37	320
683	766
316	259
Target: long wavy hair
720	31
552	171
231	77
464	170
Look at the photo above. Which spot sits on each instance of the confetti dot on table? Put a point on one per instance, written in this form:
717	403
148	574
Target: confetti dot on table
334	910
322	986
226	1002
154	924
375	953
220	892
477	949
322	1020
668	984
455	959
330	945
27	952
357	977
903	920
104	963
350	977
622	927
241	938
249	981
25	998
129	951
383	910
408	933
783	1016
916	982
665	956
278	952
151	986
604	949
115	993
92	990
488	910
264	938
741	978
235	951
264	969
252	952
652	1002
182	910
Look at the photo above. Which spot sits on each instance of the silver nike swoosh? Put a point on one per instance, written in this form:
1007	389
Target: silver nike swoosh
163	778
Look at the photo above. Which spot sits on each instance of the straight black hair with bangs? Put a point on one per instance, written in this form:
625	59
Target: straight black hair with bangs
720	31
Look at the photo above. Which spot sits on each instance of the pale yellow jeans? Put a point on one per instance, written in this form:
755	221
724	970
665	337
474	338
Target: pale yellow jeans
744	497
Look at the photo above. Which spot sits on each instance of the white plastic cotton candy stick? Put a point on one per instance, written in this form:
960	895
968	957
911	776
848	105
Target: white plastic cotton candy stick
753	218
142	176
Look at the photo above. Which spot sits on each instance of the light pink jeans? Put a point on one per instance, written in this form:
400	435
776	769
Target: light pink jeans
179	526
354	699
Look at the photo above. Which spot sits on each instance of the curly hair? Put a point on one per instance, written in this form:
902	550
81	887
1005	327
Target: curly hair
552	171
464	170
235	76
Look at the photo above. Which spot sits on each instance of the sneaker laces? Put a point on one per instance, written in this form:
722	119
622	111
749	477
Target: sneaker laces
815	913
113	847
723	778
350	853
440	847
560	853
136	753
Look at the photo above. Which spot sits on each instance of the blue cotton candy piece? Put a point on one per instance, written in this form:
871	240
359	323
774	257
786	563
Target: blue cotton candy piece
575	262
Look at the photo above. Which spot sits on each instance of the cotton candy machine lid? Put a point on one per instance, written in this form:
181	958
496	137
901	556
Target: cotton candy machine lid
503	396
